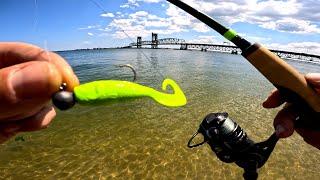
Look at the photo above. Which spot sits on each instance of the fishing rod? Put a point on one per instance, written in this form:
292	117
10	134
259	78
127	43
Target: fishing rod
224	136
291	84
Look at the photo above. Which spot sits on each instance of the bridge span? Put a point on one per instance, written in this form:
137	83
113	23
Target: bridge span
155	42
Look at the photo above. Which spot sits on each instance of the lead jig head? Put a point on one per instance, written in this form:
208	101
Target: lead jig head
62	99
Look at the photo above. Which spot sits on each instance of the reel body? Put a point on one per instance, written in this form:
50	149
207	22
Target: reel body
231	144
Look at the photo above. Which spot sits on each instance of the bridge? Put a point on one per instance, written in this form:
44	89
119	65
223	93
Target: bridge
155	42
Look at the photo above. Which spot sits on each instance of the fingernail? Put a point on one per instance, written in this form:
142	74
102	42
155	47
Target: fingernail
29	81
279	130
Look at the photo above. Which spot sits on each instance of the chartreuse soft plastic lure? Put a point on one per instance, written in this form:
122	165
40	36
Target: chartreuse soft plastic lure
110	90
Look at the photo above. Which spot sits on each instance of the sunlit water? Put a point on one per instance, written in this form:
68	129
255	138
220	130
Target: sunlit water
139	139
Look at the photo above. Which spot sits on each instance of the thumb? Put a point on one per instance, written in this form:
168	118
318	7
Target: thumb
284	122
27	86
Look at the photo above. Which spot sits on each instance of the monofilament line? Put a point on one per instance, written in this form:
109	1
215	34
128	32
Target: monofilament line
140	50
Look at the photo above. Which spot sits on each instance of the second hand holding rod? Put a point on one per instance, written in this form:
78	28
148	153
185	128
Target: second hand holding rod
291	84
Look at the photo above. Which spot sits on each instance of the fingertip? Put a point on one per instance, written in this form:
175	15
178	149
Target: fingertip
266	104
283	132
284	123
54	79
273	100
71	80
39	121
64	68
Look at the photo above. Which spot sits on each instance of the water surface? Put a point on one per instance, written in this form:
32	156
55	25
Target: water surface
140	139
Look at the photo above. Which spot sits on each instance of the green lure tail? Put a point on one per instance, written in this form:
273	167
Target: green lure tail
108	90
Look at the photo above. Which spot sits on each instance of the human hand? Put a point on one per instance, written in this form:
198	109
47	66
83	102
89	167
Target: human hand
284	120
29	76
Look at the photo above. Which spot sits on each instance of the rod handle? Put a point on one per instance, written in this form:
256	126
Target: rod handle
286	78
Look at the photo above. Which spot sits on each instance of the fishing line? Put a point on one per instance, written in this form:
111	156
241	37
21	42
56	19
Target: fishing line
35	26
140	50
46	49
35	19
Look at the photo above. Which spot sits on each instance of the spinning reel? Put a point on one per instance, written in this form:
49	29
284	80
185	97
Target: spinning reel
231	144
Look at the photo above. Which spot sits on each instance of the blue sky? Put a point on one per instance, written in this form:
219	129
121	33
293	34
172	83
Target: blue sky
70	24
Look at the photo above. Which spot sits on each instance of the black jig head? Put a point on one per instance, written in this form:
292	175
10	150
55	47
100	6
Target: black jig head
63	99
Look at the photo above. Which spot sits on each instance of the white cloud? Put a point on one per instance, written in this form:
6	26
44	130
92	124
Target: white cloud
292	25
200	27
205	40
255	38
151	1
138	14
104	29
107	15
125	6
90	27
294	16
142	23
130	3
90	34
135	3
160	23
279	8
104	35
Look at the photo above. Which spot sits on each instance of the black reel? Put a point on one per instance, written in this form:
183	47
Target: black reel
231	144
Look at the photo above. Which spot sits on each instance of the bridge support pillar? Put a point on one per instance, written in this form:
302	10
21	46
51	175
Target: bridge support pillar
184	47
154	42
139	41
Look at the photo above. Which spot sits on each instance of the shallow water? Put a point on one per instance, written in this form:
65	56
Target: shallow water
140	139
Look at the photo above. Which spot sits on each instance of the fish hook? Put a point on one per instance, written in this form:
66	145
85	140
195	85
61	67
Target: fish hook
131	67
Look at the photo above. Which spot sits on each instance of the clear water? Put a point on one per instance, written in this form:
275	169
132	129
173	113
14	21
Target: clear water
140	139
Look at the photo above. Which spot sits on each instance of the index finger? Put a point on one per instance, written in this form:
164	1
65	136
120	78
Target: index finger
274	100
12	53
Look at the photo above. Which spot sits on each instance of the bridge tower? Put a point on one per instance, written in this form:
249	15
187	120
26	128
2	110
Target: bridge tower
139	42
155	42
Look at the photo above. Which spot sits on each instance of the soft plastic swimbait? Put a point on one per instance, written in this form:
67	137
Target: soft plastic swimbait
109	90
